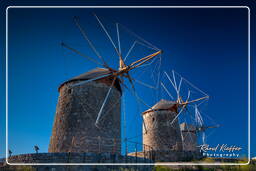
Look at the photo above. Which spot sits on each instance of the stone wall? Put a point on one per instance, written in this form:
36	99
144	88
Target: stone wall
189	137
189	141
75	158
176	156
159	133
169	156
79	158
74	127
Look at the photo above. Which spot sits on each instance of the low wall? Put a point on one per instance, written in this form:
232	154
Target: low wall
169	156
75	158
177	156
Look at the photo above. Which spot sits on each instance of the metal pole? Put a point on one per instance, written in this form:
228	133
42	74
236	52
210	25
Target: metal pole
99	144
151	155
84	158
68	157
144	152
114	149
149	150
136	152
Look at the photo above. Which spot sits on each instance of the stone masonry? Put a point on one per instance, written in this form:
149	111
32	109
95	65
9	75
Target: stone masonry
74	127
164	136
158	131
189	137
69	158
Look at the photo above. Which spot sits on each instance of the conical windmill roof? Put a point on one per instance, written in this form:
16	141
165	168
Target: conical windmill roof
92	74
163	105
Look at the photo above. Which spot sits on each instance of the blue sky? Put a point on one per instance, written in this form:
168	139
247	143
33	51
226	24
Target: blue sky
207	46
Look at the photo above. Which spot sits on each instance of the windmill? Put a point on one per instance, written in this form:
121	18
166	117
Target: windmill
200	127
162	131
195	130
121	73
197	125
182	105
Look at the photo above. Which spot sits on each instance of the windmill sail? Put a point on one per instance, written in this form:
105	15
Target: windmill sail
136	67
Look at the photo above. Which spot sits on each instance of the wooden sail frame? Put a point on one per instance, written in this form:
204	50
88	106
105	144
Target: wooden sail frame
119	73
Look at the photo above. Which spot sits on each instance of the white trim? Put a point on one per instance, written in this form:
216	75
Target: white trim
128	7
167	163
249	84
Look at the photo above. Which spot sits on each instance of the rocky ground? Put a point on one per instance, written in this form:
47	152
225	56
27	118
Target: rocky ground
250	167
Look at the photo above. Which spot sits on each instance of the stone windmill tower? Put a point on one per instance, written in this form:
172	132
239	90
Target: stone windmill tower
158	131
162	130
74	128
191	132
189	137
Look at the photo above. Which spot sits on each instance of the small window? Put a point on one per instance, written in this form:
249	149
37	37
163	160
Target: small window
69	91
153	119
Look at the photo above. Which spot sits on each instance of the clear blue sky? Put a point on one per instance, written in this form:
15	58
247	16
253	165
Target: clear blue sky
208	46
